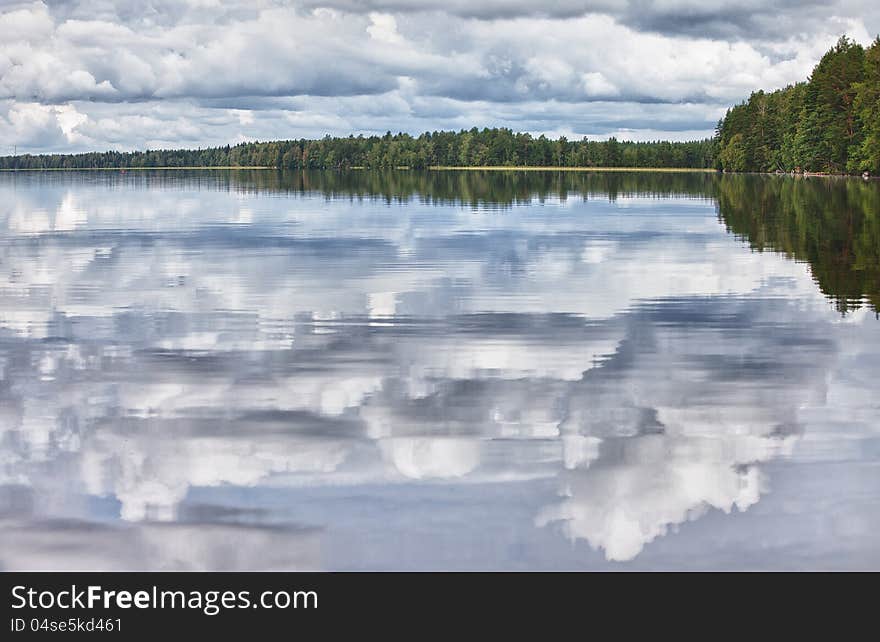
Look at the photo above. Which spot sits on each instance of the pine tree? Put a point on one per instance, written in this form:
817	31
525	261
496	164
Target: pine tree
866	154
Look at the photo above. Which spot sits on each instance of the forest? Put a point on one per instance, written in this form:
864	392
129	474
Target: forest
474	147
830	123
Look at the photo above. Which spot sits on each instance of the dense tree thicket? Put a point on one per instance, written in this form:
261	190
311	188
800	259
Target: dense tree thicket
474	147
830	123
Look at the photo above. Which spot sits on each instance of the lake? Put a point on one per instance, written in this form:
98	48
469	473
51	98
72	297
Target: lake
447	370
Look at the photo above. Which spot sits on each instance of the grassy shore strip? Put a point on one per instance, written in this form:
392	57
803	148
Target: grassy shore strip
538	168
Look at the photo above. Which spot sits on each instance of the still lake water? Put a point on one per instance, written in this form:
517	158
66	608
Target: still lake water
247	370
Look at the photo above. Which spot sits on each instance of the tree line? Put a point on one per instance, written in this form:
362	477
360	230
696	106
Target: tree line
829	123
473	147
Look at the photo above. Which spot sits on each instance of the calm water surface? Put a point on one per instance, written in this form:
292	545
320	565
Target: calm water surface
234	370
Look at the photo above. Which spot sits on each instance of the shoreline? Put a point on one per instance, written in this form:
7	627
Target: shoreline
433	168
439	168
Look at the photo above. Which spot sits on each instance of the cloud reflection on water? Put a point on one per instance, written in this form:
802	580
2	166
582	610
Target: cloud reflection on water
153	343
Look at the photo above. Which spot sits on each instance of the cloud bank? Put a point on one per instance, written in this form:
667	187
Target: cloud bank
84	75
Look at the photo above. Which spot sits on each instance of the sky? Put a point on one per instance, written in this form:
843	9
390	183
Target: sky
80	75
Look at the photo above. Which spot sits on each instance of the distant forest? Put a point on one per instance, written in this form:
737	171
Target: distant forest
474	147
830	123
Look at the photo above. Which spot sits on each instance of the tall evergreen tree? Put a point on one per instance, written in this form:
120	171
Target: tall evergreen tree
830	125
866	154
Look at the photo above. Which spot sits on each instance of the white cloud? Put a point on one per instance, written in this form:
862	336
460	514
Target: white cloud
436	66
